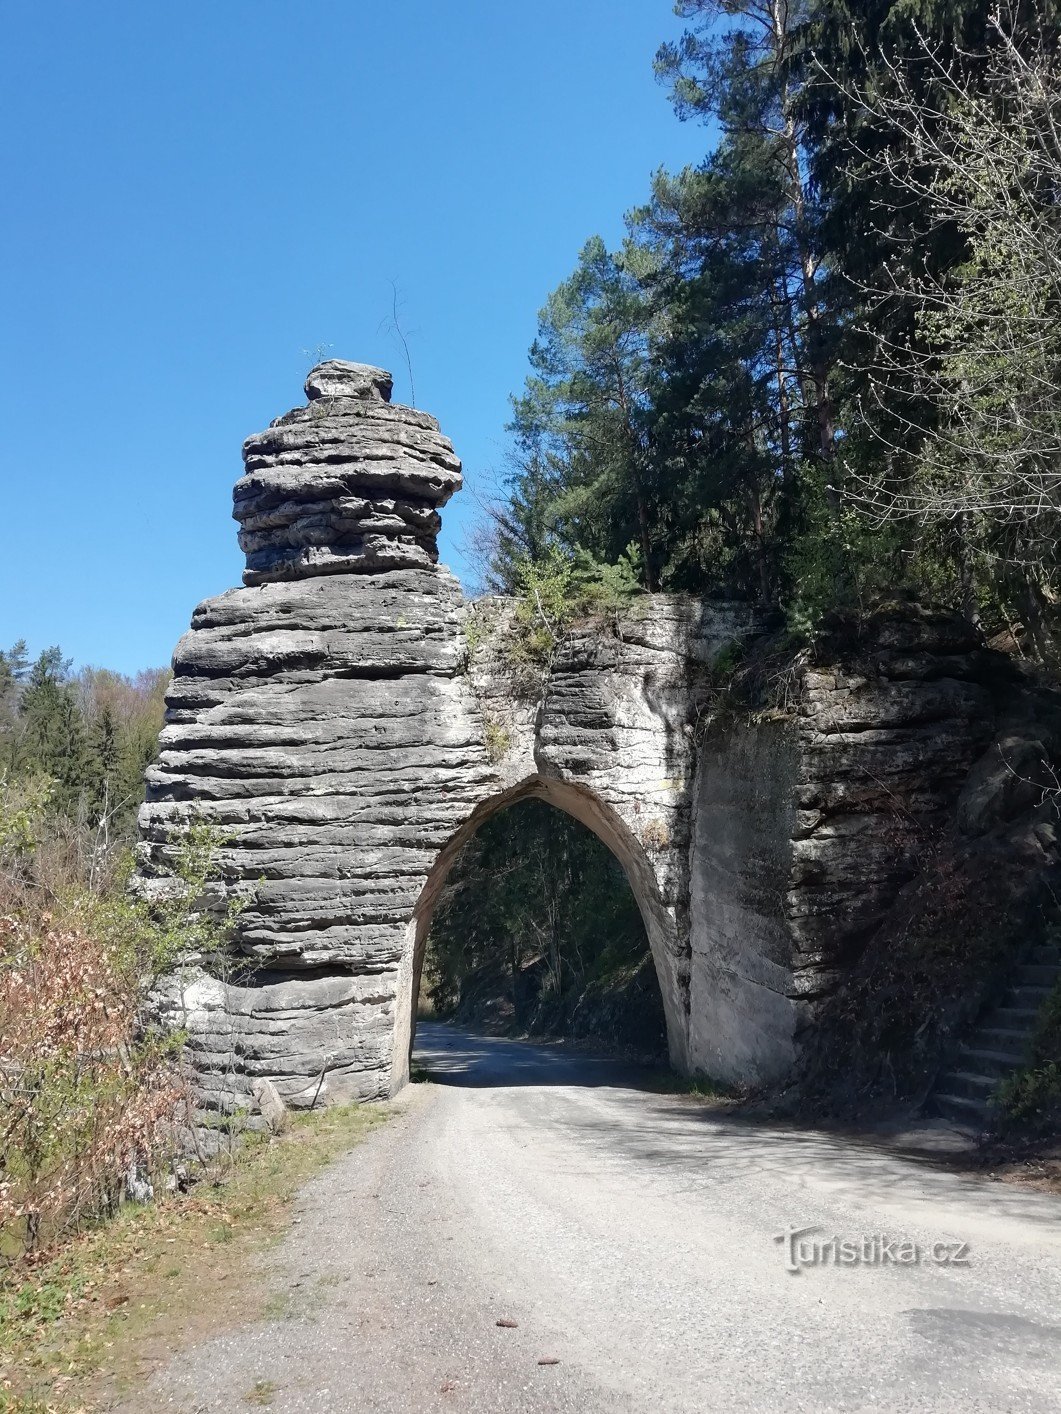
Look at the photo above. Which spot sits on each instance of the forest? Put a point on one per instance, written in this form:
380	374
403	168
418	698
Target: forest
823	369
823	366
76	745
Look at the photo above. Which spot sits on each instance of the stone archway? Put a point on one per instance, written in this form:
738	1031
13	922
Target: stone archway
346	718
582	805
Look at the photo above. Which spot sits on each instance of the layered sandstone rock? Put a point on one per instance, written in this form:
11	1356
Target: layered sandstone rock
331	721
335	723
317	720
808	823
348	482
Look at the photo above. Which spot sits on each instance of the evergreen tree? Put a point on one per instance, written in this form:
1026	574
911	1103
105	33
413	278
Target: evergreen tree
105	764
53	738
586	477
14	666
91	736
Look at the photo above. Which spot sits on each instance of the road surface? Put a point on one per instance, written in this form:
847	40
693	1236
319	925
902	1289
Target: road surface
631	1238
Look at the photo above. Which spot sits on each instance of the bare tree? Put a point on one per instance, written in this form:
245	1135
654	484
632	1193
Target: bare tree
976	386
394	326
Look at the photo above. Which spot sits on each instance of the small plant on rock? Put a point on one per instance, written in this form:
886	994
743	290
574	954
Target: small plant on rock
1030	1098
557	589
498	740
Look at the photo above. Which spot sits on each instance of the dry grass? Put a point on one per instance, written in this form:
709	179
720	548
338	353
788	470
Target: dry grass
92	1323
1040	1175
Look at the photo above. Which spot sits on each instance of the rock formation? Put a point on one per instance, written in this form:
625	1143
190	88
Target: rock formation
347	483
333	720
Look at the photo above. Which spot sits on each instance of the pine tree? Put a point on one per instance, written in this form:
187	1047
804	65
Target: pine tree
579	426
53	737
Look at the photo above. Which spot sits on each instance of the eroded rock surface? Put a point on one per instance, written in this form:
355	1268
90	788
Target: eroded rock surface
348	482
347	721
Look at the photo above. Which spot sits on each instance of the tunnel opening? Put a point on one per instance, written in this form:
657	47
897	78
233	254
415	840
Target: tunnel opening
542	917
537	933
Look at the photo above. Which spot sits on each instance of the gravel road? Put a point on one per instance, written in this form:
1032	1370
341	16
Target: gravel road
631	1238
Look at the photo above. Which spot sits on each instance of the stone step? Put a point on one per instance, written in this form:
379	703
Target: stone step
1037	974
1012	1018
960	1109
1032	997
974	1061
1002	1041
968	1084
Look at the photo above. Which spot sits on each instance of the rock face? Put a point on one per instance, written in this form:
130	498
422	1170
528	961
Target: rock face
808	823
346	483
333	719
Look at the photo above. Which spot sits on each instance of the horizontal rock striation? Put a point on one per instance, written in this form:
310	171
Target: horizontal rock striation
331	722
320	726
808	823
346	721
347	483
887	736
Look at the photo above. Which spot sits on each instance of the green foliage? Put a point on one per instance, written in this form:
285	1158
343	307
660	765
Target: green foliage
1030	1098
560	588
726	662
839	560
820	355
90	735
475	633
87	1087
585	475
23	808
498	740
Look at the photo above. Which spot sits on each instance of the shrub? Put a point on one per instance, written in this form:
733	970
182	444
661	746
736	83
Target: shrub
89	1091
498	740
1030	1098
84	1098
557	589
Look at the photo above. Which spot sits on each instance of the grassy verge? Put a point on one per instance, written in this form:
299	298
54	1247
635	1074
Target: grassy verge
91	1323
697	1087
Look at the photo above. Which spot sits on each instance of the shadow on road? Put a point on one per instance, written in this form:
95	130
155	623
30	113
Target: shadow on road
703	1140
451	1056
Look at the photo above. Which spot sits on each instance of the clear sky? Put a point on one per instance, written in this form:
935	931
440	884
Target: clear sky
194	195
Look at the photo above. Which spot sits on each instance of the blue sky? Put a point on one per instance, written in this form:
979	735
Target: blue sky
196	194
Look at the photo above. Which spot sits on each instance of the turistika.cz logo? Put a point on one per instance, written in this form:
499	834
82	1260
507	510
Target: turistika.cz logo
803	1248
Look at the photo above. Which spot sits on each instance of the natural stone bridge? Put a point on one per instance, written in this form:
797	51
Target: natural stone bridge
333	720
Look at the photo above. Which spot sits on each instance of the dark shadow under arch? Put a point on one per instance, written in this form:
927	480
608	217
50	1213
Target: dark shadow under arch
589	810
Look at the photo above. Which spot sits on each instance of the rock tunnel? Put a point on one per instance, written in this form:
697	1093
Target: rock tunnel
346	719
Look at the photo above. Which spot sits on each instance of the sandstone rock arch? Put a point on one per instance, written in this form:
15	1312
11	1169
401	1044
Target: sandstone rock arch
346	718
582	805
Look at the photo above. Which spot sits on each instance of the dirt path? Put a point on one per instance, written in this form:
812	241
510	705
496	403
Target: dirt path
631	1237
